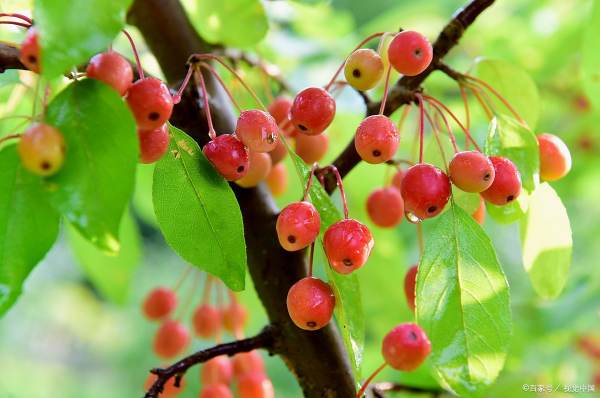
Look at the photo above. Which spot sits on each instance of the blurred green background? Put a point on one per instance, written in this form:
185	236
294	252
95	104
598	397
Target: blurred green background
70	338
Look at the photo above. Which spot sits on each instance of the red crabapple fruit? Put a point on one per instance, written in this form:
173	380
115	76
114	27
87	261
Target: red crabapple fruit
277	180
298	225
311	148
246	362
159	303
111	68
425	190
347	244
312	111
207	321
410	53
228	155
479	214
217	370
255	385
376	139
259	167
257	130
169	391
150	102
471	171
385	207
405	347
235	317
555	158
280	110
507	182
42	149
215	391
171	339
397	179
410	285
279	153
153	143
310	303
29	54
363	69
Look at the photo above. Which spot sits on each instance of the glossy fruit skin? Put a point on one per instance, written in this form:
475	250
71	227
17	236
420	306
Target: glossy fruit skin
207	321
259	167
310	303
507	182
405	347
215	391
246	362
277	180
479	214
311	148
235	317
257	130
255	385
363	69
279	153
42	149
425	190
280	110
298	225
312	111
153	144
111	68
376	139
385	207
397	179
159	303
471	171
29	54
229	156
150	102
217	370
410	287
555	158
171	339
347	244
410	53
170	391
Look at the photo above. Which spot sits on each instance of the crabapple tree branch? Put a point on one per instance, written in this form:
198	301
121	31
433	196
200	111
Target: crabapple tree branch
379	389
9	58
263	340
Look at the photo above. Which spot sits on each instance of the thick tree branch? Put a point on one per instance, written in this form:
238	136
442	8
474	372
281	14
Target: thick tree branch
380	388
9	58
262	340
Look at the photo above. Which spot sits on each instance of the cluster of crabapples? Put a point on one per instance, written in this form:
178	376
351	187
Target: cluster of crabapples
209	321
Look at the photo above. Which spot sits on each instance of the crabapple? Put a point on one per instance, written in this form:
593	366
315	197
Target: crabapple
385	207
425	190
347	244
277	180
169	390
405	347
410	53
159	303
153	143
298	225
259	167
311	148
228	155
555	158
397	179
410	284
217	370
42	149
280	110
246	362
215	391
279	153
312	111
257	130
255	385
310	303
171	339
376	139
363	69
235	317
479	214
471	171
111	68
150	102
207	321
507	182
29	54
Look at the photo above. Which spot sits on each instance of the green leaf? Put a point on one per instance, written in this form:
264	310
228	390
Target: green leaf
515	85
349	313
468	201
234	23
511	212
463	303
198	212
111	274
96	182
142	196
547	242
28	225
590	57
508	138
72	31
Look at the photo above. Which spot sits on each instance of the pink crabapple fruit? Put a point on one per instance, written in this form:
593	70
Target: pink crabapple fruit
153	143
555	158
312	111
298	225
217	370
169	391
410	284
376	139
207	321
246	362
257	130
235	317
385	207
311	148
347	244
397	179
255	385
410	53
471	171
279	153
280	110
310	303
159	303
507	182
215	391
150	102
405	347
171	339
29	54
259	167
363	69
277	180
42	149
228	155
425	190
111	68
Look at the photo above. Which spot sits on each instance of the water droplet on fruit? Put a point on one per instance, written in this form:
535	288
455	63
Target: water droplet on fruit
412	218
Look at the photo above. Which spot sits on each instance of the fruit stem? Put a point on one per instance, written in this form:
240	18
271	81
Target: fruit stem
135	54
463	95
22	24
448	129
310	259
404	116
339	69
314	167
340	185
368	381
386	89
182	278
195	57
8	137
186	80
19	16
190	296
420	238
211	130
207	289
398	162
421	125
436	136
222	83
